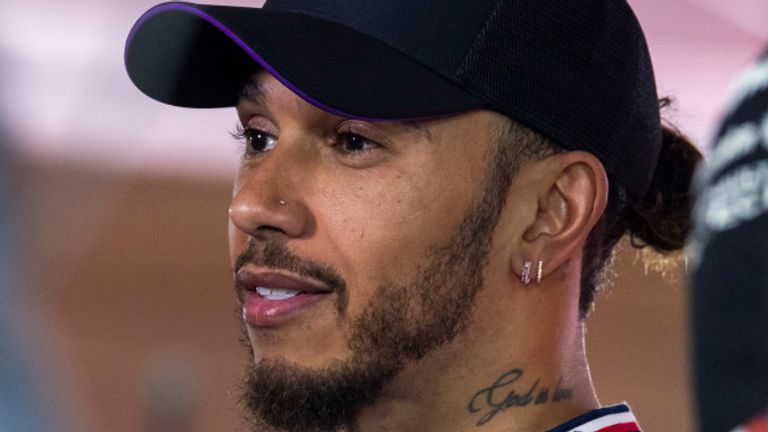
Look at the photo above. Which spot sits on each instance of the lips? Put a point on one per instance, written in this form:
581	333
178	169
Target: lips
270	298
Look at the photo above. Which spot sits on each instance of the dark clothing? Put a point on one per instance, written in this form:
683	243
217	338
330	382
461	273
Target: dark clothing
730	256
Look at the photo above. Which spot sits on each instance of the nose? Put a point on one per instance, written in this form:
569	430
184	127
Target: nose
268	197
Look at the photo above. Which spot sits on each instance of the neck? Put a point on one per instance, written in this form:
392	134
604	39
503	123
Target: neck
537	379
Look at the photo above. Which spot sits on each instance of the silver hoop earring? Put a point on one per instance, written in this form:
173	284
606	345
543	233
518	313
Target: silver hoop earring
525	276
539	272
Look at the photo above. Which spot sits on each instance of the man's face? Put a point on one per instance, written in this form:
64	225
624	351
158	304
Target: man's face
383	230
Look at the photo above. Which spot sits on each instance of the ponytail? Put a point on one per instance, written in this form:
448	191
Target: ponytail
661	219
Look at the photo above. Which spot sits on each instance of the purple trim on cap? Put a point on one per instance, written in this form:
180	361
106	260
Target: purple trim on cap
183	7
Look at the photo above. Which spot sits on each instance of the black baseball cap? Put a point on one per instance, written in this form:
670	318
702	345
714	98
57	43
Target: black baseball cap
577	71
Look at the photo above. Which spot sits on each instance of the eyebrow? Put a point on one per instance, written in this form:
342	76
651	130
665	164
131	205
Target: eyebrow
418	127
254	92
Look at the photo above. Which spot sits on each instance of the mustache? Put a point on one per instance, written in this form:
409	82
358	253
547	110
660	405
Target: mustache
276	255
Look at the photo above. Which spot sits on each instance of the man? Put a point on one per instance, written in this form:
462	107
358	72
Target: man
730	277
427	195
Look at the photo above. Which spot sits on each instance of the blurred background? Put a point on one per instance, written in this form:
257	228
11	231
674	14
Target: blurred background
116	306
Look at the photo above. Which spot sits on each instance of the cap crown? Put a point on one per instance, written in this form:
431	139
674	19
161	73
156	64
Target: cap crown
437	34
577	71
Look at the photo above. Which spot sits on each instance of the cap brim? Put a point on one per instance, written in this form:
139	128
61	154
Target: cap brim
199	56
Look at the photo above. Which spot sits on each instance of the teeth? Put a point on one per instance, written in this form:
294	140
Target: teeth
276	293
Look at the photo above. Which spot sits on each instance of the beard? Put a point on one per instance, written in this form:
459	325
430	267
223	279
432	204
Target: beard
402	323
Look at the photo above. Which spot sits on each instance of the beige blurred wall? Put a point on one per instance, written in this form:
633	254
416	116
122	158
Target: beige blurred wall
133	275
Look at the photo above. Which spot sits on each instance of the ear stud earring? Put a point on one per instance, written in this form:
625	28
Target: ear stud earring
539	271
525	276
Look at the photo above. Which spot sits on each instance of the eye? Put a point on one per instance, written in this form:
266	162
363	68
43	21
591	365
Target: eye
348	142
256	141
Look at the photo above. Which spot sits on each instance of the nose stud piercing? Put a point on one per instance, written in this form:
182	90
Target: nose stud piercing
282	203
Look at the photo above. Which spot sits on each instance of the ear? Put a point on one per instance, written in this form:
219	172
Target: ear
571	194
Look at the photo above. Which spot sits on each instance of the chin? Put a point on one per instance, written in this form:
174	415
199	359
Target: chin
271	349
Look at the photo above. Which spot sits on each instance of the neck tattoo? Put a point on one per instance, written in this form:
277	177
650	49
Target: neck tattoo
513	390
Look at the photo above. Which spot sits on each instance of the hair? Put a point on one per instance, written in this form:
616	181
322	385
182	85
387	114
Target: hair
660	220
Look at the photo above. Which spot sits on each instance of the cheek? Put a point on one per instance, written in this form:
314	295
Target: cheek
384	227
237	239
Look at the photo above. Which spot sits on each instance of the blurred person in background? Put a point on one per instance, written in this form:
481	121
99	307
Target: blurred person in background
730	273
22	409
427	198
